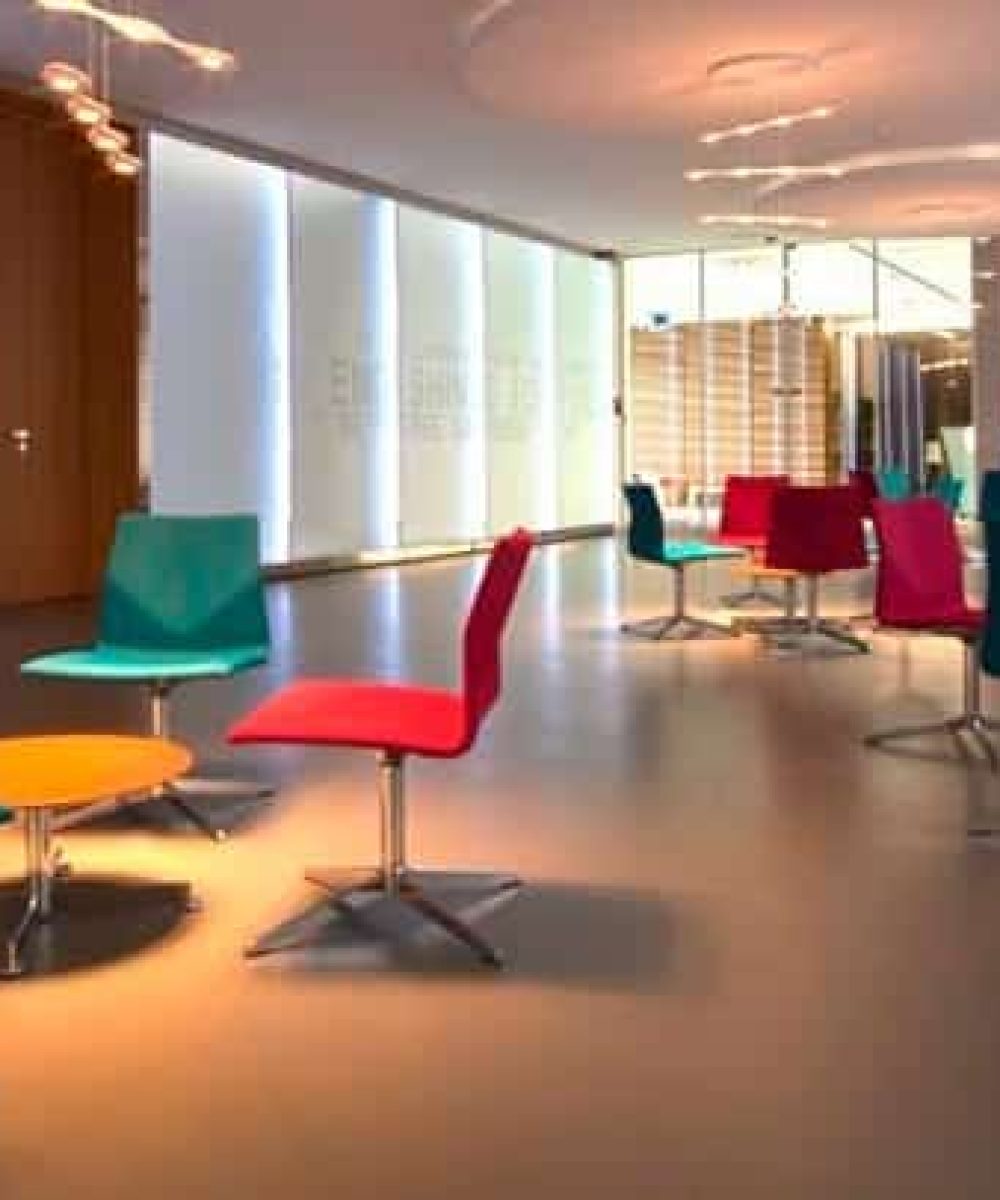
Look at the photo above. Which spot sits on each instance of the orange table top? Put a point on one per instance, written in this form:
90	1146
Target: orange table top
59	770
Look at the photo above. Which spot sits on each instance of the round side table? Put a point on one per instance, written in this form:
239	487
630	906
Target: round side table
41	775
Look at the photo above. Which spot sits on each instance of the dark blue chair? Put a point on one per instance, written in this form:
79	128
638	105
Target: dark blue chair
989	514
647	543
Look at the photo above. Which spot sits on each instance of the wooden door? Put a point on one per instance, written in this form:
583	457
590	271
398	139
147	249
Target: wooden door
58	374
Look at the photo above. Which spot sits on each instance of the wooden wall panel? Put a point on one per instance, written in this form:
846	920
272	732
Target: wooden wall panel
68	350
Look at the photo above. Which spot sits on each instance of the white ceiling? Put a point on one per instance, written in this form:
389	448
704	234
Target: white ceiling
578	117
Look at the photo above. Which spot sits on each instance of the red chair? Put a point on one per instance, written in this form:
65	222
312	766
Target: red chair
398	720
919	589
744	523
864	483
816	531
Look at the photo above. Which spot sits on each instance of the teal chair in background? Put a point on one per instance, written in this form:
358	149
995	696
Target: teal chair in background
647	543
893	483
949	490
182	601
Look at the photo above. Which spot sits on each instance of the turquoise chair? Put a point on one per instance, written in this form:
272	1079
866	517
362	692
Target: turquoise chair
893	483
182	600
647	543
949	490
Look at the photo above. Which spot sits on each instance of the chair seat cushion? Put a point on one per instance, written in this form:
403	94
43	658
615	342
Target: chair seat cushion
122	664
678	553
960	622
381	716
746	541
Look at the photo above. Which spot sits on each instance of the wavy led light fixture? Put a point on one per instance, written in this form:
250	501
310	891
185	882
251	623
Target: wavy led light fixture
781	172
106	139
88	110
761	220
768	125
142	31
66	80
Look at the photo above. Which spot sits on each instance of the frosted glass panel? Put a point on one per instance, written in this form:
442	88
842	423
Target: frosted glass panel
519	383
343	411
584	390
442	435
219	337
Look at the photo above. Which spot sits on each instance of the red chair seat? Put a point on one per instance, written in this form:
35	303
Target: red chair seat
381	716
964	622
745	541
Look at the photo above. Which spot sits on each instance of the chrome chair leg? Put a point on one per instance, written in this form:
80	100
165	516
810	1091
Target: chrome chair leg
971	721
394	880
812	636
39	868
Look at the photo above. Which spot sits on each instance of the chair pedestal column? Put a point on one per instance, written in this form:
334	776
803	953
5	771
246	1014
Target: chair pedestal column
41	868
971	720
811	636
393	880
679	625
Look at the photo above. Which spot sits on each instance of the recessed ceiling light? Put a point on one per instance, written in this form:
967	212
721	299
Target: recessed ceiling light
780	171
763	220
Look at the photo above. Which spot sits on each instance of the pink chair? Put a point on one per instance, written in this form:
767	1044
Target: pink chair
919	589
396	721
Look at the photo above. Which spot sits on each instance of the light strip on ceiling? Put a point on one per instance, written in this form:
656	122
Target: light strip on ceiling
762	220
142	31
768	125
782	172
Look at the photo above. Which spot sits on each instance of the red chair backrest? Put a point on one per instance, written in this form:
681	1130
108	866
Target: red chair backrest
481	676
863	481
919	574
816	529
746	505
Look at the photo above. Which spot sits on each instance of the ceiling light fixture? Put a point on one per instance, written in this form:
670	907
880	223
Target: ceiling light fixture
143	31
762	220
64	79
768	125
786	172
758	66
90	106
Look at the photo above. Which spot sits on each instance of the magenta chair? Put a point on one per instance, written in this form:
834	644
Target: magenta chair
815	531
744	524
919	589
396	721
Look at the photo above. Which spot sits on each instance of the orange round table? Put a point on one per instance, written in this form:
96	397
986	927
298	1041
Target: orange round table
41	775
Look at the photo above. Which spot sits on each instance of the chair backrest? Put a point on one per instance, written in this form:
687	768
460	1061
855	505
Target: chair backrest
863	482
646	530
184	583
746	505
989	512
484	626
816	529
949	490
894	483
919	573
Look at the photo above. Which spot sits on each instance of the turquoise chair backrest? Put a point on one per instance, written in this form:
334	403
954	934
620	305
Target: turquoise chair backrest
893	483
949	491
646	531
184	583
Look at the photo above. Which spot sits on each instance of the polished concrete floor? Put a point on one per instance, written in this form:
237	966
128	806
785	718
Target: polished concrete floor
753	958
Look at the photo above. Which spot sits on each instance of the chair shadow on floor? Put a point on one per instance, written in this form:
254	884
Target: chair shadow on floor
99	921
612	939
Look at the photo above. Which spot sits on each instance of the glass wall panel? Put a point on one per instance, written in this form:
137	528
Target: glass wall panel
833	279
924	284
663	290
344	431
441	339
520	417
742	284
219	337
584	308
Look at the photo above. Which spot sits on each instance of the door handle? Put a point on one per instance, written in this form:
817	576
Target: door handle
21	438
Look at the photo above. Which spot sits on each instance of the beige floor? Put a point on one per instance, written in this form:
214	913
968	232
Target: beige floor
754	959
